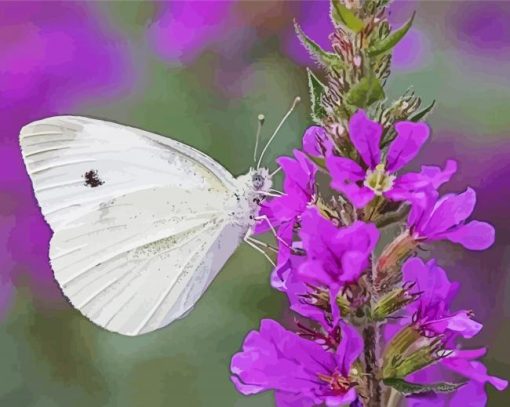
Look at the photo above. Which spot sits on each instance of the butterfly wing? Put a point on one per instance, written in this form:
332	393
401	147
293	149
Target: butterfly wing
139	220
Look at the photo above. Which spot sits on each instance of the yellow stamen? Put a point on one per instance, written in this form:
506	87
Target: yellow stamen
378	180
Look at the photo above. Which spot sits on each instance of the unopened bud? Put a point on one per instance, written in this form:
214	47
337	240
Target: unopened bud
393	301
388	265
424	356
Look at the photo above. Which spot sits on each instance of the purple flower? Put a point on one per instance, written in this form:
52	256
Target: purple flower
301	371
316	142
431	311
471	394
437	219
464	363
361	184
298	187
286	261
302	299
334	256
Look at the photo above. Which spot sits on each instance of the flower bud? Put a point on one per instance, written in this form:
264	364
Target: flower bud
408	352
393	301
388	265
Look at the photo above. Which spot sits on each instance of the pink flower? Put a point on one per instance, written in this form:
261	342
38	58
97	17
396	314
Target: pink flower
437	219
360	184
301	371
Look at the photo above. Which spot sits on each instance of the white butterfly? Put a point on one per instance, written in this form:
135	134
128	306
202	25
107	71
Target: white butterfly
142	223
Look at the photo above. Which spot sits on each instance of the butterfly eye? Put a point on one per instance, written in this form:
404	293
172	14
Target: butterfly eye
258	181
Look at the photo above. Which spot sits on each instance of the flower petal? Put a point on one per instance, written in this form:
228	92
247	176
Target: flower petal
460	322
316	142
349	349
407	144
431	280
343	400
353	264
284	262
246	389
436	176
299	173
474	235
315	232
313	272
450	212
408	187
344	175
473	370
295	291
365	135
276	359
422	206
472	394
360	236
285	399
344	168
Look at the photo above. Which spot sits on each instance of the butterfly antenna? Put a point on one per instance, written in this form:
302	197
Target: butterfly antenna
261	119
275	172
294	104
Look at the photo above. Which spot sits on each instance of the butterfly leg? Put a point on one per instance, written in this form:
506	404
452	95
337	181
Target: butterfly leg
273	230
253	243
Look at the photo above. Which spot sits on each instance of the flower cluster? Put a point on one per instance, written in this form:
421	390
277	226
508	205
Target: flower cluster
373	327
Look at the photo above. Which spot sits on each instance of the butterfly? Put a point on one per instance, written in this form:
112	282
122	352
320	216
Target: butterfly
142	224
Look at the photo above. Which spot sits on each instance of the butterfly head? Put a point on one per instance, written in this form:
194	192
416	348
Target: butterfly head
260	179
254	185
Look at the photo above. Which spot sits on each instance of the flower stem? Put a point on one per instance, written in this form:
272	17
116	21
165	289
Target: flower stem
371	342
394	398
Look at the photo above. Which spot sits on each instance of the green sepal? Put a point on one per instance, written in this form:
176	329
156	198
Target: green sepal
410	363
317	89
396	348
325	58
391	302
387	43
420	115
320	162
367	91
341	15
407	388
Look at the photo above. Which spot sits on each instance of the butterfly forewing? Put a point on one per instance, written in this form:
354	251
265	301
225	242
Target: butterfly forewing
139	220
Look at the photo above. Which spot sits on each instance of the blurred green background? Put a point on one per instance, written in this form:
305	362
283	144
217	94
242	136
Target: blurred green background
457	53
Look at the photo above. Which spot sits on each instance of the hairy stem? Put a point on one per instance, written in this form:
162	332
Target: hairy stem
371	339
371	342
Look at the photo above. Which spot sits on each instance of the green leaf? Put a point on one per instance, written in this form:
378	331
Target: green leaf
420	115
321	56
387	43
341	15
317	89
367	91
406	388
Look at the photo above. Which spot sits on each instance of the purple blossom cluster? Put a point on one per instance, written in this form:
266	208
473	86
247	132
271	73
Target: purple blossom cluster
328	268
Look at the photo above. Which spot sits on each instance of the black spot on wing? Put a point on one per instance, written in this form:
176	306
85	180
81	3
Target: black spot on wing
92	179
